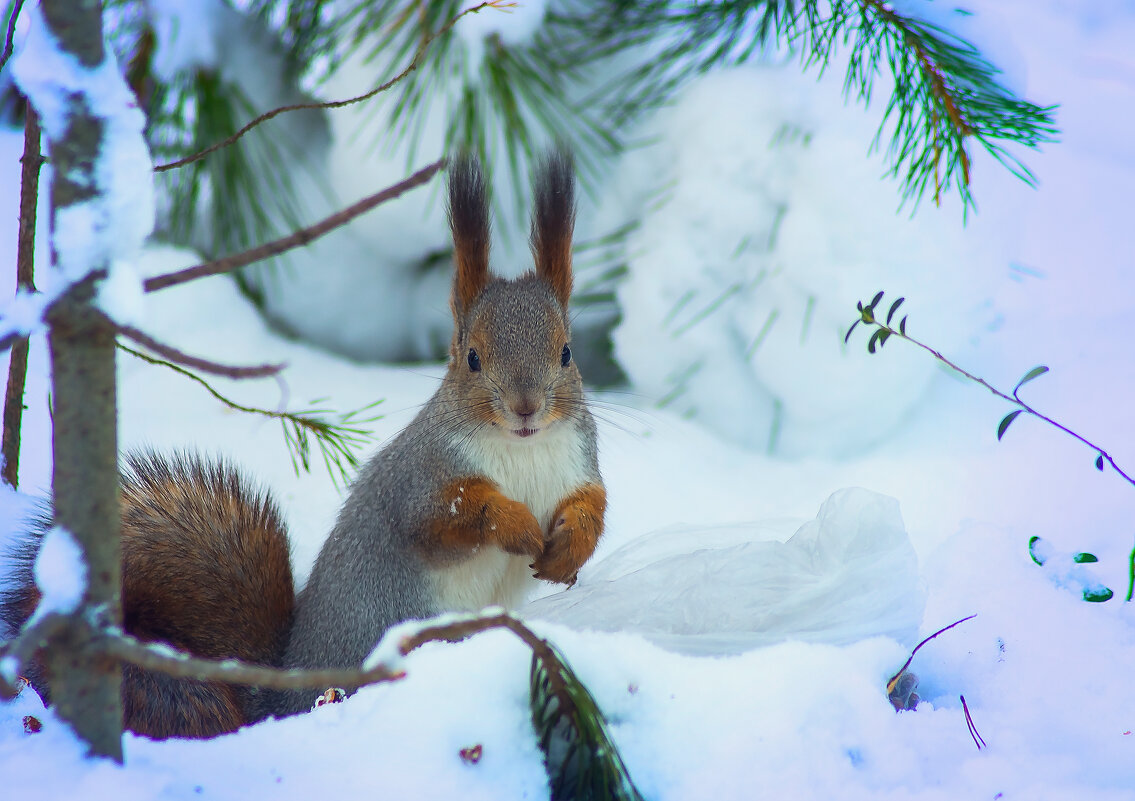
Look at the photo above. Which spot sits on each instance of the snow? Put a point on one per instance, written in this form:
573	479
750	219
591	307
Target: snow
1045	675
108	230
60	574
514	26
182	45
750	255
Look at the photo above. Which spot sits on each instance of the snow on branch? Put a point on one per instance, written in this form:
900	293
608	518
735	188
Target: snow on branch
108	211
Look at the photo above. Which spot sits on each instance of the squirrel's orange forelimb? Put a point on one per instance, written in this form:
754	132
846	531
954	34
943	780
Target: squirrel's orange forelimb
575	530
475	513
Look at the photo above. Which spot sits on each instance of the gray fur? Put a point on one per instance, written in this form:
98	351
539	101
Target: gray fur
375	568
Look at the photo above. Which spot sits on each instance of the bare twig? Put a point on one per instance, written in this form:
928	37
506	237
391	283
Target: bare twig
174	355
455	632
193	376
894	679
166	660
22	648
978	740
294	240
335	439
414	63
9	41
25	281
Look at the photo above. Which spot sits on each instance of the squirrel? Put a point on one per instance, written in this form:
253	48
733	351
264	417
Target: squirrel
494	485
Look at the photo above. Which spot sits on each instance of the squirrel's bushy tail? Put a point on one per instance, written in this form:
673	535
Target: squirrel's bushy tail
206	568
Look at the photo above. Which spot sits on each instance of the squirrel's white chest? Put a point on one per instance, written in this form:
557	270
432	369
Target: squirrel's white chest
539	474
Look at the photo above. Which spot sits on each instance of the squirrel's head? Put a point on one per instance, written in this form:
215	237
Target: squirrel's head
511	366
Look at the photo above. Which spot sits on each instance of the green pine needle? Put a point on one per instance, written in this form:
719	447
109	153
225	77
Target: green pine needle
582	761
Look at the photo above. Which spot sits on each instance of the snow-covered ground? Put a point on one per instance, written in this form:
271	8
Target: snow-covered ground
801	711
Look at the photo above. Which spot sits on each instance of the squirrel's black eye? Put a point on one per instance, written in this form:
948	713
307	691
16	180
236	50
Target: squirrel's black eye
474	361
565	357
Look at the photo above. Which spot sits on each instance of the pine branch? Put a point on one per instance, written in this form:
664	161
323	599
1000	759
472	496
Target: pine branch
32	160
945	92
507	104
205	366
296	239
579	754
338	441
330	104
883	331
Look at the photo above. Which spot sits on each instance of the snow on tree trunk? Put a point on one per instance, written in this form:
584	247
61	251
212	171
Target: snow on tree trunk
66	72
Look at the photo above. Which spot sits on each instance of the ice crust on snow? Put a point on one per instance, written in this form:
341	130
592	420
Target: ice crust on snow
848	575
109	229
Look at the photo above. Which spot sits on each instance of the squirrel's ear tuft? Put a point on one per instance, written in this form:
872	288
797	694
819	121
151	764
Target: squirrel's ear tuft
469	220
553	221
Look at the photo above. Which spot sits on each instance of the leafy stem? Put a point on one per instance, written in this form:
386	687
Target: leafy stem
883	330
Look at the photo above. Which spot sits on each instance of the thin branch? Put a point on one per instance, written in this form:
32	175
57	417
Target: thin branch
164	659
297	239
23	647
336	441
978	740
867	316
174	355
895	678
25	281
455	632
9	41
227	401
330	103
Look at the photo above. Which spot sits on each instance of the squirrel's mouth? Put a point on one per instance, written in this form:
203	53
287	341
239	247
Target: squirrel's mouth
524	432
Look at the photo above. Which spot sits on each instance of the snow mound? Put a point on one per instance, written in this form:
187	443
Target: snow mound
760	230
849	574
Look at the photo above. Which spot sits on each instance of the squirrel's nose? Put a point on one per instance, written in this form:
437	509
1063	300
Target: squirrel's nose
526	407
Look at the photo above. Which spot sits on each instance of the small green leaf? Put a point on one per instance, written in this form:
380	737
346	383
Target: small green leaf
875	301
1029	376
1099	462
1036	557
1097	595
846	338
894	308
874	339
883	334
859	305
1005	421
1084	558
902	325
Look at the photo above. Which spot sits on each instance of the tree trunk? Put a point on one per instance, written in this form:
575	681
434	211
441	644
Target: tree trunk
85	687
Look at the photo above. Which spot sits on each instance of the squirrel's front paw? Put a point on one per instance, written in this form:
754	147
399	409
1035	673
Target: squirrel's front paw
475	513
576	527
510	525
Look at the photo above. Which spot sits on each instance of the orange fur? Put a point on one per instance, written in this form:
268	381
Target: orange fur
575	532
474	513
